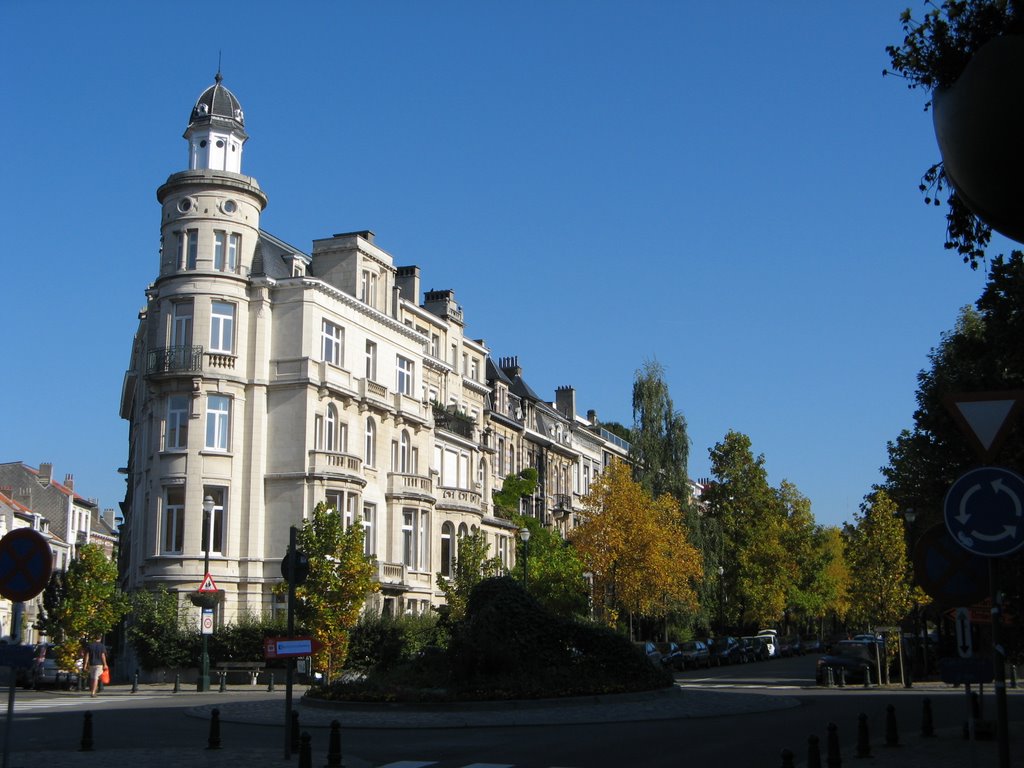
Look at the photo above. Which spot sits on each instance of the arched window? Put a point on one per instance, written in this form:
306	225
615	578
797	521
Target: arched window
447	549
463	531
404	464
512	459
370	456
331	429
481	473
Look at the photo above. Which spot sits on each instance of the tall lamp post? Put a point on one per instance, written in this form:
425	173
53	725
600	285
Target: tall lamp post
203	683
524	534
910	515
721	593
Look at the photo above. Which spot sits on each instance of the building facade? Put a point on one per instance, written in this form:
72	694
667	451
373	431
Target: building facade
266	380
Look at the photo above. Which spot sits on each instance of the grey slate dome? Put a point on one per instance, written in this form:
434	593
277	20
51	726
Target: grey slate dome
218	106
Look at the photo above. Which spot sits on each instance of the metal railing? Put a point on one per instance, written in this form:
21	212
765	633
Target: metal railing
180	359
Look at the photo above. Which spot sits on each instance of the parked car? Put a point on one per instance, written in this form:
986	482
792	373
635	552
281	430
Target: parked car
725	650
45	671
771	639
650	650
670	658
853	657
811	644
755	648
694	654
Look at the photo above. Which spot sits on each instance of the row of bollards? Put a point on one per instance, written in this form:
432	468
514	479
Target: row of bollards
833	759
301	743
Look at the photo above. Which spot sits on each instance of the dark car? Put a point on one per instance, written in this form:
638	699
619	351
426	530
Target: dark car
725	650
46	672
850	658
755	648
669	655
694	654
650	650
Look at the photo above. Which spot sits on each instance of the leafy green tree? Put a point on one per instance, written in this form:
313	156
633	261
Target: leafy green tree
87	603
876	551
156	630
757	571
556	572
340	577
636	548
660	446
472	565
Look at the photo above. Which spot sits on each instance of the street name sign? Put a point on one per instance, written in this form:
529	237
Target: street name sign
984	511
289	647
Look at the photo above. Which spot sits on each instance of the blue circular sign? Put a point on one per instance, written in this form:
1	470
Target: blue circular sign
984	511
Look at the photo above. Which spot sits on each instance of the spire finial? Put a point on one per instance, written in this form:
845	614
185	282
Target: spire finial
217	78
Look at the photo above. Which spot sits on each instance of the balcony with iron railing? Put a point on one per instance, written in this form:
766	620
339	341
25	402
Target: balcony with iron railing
452	421
170	360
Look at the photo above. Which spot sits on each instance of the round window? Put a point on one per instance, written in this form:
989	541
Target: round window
220	144
229	206
202	143
185	205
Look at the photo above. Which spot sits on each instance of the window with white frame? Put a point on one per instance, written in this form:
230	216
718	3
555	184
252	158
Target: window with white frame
222	327
331	429
371	361
405	370
404	455
474	369
435	346
502	545
214	530
370	445
501	457
368	287
333	347
176	435
188	248
369	515
225	251
218	422
174	521
415	544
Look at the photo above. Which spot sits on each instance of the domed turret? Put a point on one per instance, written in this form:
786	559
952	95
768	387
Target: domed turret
216	130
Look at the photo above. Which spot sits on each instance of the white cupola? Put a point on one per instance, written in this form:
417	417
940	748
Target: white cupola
216	131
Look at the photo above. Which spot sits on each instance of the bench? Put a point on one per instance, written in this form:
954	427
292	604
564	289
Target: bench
253	668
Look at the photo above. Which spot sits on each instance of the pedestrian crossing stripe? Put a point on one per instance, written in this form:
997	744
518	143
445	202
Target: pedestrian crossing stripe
420	764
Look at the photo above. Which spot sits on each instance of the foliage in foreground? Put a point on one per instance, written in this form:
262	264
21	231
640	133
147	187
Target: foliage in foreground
509	647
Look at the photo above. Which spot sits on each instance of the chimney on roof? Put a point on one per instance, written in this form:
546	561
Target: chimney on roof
510	366
69	482
592	416
408	280
45	472
565	402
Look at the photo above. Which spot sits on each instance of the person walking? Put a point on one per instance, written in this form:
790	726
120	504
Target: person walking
96	661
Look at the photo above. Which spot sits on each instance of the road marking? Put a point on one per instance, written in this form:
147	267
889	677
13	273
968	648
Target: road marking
68	701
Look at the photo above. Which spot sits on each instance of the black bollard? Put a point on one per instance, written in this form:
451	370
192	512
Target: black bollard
892	735
842	677
813	752
305	753
927	726
86	734
334	746
214	741
830	681
867	677
223	681
863	740
177	684
787	759
270	685
833	759
295	731
135	682
1013	675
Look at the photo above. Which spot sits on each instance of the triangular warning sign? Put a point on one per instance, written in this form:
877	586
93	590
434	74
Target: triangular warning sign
986	417
208	585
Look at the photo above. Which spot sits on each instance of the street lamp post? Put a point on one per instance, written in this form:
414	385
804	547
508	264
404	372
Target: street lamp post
524	534
721	594
203	683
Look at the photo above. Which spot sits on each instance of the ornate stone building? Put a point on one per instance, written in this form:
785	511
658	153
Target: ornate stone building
266	379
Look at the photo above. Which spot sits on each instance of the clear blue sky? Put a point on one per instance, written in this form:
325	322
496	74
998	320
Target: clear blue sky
727	187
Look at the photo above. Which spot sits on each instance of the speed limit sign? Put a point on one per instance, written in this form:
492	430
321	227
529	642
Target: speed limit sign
207	622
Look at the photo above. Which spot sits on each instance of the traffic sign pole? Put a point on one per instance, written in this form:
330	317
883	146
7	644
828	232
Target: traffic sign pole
999	668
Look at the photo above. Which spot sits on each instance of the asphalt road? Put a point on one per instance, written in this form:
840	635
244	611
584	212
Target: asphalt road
54	721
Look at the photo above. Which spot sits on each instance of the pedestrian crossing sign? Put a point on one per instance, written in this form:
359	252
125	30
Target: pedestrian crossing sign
207	585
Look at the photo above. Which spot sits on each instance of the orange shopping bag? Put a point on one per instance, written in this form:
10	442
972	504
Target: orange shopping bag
105	676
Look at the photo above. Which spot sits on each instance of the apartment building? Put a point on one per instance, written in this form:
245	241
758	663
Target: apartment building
265	379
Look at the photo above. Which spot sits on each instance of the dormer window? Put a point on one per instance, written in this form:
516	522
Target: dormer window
368	288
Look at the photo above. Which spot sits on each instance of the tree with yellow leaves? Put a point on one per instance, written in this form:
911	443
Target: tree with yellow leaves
636	547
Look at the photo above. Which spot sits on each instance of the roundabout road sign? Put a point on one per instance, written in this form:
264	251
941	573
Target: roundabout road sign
984	511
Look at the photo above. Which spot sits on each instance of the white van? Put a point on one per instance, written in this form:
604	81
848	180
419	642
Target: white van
771	640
